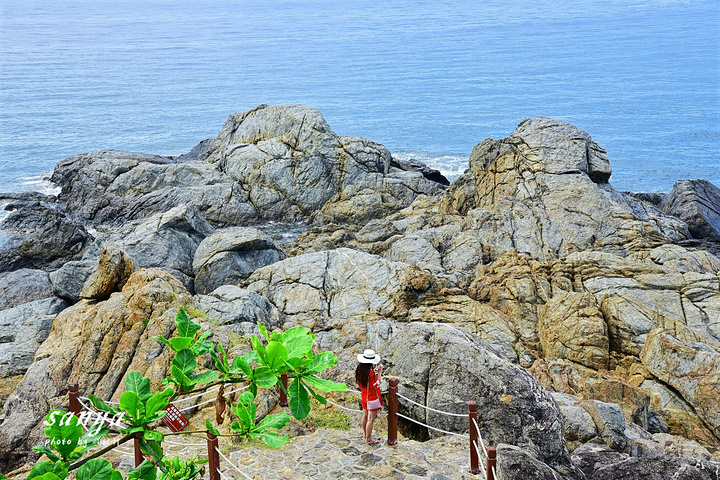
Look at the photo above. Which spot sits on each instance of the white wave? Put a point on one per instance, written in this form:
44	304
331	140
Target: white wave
451	166
40	183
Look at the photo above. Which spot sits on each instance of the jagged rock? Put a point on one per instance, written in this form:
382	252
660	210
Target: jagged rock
691	369
592	456
417	251
23	286
268	163
572	327
229	256
168	241
677	446
94	344
40	237
69	280
579	425
514	462
444	367
324	289
543	191
229	304
110	274
697	203
681	417
610	422
413	165
22	330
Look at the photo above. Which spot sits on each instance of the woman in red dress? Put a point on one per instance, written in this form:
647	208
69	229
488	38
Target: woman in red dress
368	379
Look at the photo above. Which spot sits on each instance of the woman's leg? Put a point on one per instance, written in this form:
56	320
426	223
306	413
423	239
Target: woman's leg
363	422
369	426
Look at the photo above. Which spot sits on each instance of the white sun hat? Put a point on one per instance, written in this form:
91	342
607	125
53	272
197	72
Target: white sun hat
368	356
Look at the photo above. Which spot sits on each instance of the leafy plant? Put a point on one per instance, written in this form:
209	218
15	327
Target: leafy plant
246	411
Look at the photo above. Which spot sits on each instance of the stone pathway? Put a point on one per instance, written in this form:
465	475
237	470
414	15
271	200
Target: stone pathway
339	454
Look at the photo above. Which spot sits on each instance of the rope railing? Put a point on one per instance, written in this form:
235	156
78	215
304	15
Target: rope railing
232	464
428	426
475	440
432	409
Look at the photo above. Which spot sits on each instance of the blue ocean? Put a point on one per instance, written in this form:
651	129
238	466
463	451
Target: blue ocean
427	79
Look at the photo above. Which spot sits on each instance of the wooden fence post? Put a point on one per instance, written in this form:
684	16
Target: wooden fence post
138	453
283	396
73	396
472	419
491	463
392	411
213	457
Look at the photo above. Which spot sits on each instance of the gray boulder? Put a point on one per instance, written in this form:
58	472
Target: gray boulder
610	422
22	330
579	425
323	290
69	280
269	163
697	203
444	367
168	241
229	256
40	237
23	286
516	463
543	191
230	305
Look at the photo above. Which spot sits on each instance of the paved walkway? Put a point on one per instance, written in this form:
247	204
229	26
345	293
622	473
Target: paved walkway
337	454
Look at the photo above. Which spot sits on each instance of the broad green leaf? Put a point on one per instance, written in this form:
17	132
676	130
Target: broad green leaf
144	471
245	414
240	364
180	343
295	363
116	475
321	362
251	356
135	408
210	428
153	435
237	427
101	405
298	331
264	377
136	383
93	436
158	401
299	400
273	422
181	379
46	450
185	361
41	468
205	377
95	469
48	476
162	340
221	361
201	346
325	385
259	348
272	439
264	331
277	337
299	346
276	355
63	431
317	396
155	416
185	326
152	448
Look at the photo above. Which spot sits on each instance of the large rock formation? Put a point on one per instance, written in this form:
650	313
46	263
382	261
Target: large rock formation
697	203
269	163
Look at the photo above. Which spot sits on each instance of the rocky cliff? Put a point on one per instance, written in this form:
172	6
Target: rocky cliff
584	322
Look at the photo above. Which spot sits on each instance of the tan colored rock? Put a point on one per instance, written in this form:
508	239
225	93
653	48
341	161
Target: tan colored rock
110	274
95	345
691	369
572	327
